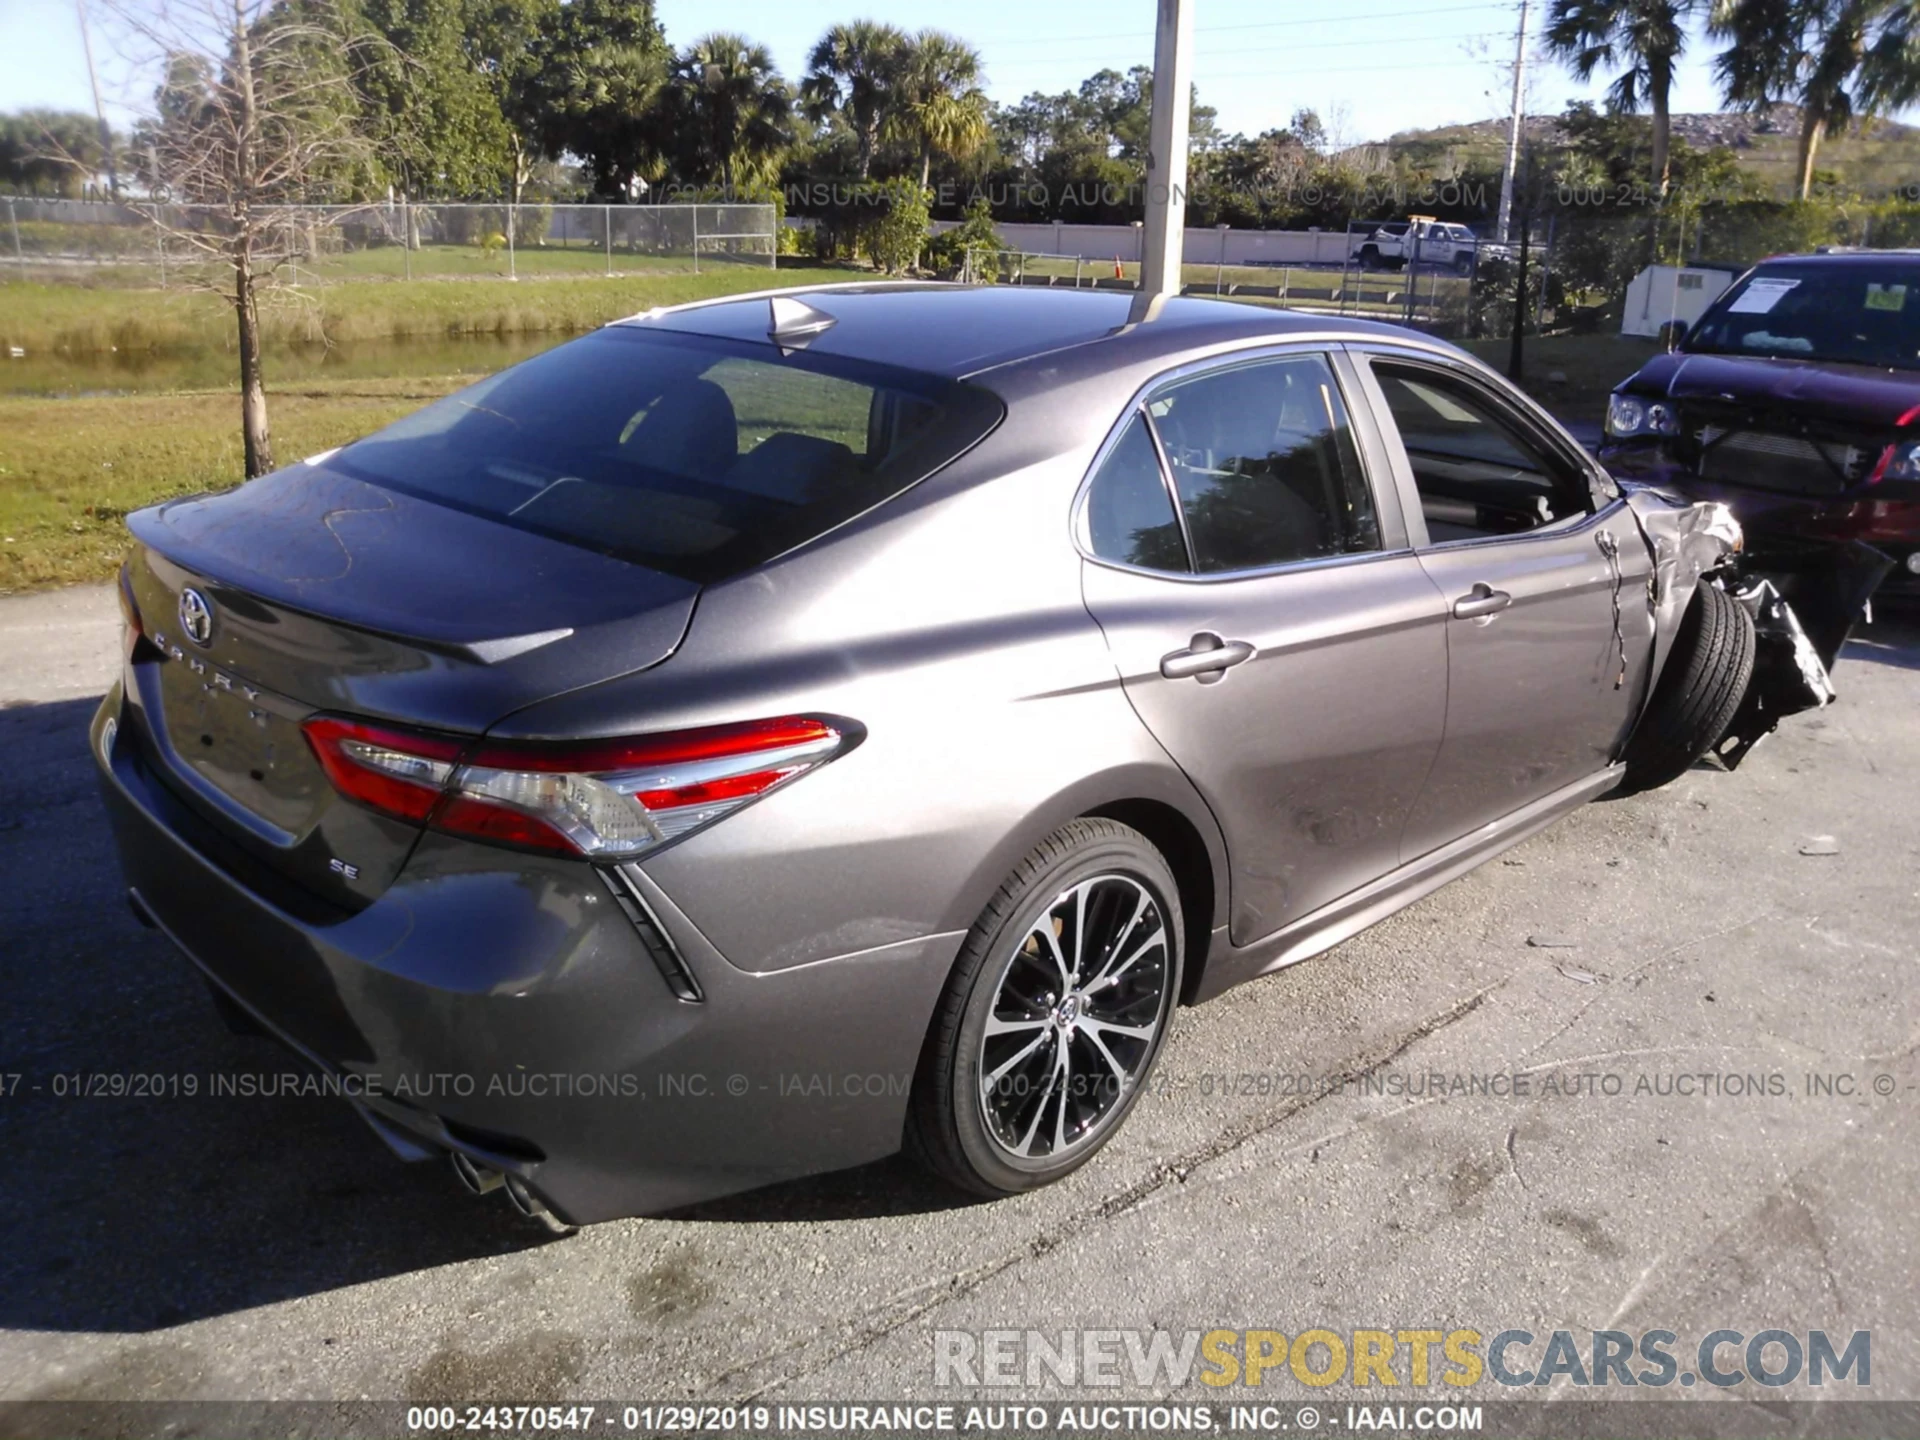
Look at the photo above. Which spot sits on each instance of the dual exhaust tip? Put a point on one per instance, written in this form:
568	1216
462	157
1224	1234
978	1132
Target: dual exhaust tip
478	1179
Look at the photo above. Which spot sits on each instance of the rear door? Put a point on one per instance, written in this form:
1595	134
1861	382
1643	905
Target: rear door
1544	575
1269	622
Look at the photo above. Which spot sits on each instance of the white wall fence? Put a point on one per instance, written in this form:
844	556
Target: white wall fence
1203	247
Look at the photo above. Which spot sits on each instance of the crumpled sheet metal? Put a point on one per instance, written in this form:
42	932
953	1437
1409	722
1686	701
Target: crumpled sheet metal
1689	538
1792	658
1788	674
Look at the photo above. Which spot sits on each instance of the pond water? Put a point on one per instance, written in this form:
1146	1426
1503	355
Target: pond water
56	374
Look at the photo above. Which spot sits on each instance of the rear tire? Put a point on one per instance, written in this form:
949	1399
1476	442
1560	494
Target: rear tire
1056	1011
1704	681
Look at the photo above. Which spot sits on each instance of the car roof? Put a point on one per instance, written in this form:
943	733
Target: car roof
958	331
1843	258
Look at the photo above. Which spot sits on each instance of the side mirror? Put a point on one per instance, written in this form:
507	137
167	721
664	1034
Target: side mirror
1673	332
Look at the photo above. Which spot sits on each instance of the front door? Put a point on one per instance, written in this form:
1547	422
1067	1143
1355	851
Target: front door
1545	580
1269	624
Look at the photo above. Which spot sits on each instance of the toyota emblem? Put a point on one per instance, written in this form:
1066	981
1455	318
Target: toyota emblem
196	616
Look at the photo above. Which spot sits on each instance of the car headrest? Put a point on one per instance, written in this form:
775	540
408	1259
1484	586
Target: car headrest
788	466
690	430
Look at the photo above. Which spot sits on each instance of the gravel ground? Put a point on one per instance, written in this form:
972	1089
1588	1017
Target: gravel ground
251	1248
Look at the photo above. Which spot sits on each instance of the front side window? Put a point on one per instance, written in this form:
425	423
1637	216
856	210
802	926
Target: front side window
1265	464
1478	473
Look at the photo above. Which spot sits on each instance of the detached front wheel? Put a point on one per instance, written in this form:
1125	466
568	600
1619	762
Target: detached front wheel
1055	1013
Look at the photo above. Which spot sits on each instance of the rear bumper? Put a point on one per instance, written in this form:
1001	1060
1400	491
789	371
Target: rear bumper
506	1006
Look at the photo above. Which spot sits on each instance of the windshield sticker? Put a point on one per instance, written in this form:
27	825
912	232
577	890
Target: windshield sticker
1761	295
1886	297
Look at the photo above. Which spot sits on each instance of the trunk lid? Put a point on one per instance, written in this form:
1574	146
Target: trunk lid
322	592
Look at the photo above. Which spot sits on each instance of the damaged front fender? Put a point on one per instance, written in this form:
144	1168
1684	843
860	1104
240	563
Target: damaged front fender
1688	539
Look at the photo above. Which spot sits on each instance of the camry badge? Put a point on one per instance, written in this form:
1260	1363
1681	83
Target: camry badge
196	616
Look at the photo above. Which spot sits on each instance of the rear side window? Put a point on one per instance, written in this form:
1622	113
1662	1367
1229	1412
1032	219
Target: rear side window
1130	515
1265	464
694	456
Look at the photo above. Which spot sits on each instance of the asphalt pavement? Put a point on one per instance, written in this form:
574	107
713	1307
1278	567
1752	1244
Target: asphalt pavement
1306	1160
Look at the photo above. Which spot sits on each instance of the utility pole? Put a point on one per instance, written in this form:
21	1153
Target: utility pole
99	110
1166	221
1513	126
1516	347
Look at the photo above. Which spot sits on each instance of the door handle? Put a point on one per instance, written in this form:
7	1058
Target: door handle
1206	658
1483	599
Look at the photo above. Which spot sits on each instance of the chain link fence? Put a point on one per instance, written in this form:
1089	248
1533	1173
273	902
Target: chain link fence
1421	300
1469	294
101	242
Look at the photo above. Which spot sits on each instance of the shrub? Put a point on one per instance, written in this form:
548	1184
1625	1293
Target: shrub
947	252
897	231
1751	230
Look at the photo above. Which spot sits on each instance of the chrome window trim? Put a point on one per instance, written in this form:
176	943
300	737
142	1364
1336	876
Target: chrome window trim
1324	346
1215	577
1554	531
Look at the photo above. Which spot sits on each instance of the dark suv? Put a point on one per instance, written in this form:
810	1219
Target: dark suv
1795	400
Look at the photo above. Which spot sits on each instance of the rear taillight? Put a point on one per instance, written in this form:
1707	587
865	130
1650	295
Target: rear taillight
397	772
604	799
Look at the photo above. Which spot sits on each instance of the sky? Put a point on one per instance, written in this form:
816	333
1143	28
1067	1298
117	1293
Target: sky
1369	67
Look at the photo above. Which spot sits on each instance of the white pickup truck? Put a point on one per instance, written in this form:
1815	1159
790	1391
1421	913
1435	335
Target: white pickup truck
1424	241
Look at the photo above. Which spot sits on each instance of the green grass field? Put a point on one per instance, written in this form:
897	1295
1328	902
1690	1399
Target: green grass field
1590	366
73	463
78	319
70	470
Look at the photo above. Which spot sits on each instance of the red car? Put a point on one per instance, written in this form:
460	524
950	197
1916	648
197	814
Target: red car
1796	400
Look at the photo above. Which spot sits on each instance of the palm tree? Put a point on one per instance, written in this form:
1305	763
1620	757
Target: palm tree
1643	40
1835	59
739	108
855	70
942	107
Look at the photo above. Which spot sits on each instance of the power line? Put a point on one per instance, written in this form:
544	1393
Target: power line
1377	15
1277	71
1344	20
1237	50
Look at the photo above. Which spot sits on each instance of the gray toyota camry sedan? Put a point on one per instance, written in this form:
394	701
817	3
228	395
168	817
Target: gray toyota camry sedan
768	733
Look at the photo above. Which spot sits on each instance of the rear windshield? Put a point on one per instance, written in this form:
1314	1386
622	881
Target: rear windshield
697	457
1848	313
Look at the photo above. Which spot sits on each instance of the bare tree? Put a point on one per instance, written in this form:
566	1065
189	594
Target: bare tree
256	115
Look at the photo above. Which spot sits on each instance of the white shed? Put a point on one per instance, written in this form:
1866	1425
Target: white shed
1661	293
